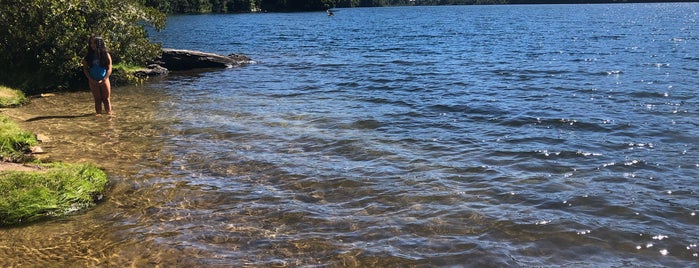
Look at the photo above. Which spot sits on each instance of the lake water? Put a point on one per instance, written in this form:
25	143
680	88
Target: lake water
484	136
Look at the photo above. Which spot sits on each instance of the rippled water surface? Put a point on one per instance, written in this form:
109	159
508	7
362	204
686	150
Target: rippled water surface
561	135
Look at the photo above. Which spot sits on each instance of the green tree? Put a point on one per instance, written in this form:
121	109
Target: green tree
242	5
347	3
296	5
42	42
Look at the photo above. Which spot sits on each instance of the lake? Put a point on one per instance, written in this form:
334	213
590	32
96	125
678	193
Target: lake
459	136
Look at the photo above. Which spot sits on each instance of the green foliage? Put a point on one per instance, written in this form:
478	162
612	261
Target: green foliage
11	97
129	68
347	3
15	143
124	73
59	190
42	42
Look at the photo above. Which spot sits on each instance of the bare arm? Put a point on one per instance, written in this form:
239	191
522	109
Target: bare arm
109	66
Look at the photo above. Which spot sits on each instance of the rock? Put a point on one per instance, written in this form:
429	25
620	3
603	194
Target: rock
151	70
186	60
42	138
36	150
183	60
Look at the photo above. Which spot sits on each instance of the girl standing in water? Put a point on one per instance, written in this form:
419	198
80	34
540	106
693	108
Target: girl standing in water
97	66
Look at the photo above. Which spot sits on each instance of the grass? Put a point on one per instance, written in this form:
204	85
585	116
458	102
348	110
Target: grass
11	97
58	190
125	72
15	143
127	67
54	190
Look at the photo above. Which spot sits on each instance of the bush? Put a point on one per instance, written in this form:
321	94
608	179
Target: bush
42	42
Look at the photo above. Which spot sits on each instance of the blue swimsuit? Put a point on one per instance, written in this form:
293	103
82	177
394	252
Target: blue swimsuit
97	72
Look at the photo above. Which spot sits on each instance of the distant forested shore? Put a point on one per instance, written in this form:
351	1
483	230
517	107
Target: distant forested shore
242	6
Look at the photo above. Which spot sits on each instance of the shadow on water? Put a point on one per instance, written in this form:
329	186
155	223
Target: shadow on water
58	117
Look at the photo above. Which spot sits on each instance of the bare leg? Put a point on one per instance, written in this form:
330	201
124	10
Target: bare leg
105	93
97	96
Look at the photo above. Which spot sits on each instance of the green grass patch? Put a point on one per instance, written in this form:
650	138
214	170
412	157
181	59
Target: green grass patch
11	97
127	67
125	73
15	143
54	190
59	189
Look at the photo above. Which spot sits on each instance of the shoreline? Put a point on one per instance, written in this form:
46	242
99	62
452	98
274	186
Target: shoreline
36	183
35	189
10	166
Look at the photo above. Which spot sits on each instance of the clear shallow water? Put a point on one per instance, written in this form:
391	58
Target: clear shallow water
560	135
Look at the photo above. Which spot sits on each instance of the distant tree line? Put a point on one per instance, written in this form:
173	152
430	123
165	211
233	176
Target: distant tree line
237	6
204	6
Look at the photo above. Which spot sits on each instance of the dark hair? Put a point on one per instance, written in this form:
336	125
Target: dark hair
100	52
